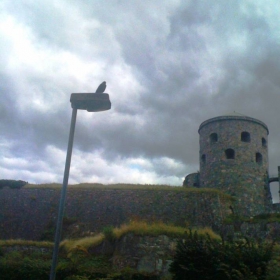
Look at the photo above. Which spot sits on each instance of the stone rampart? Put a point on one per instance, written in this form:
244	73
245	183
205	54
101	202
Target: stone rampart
31	213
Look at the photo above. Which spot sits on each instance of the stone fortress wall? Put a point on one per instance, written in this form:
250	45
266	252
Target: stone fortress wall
31	213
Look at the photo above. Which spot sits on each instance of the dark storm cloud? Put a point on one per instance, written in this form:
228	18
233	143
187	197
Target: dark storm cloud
169	66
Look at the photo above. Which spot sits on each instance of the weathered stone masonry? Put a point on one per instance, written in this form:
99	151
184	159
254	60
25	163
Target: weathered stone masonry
234	158
29	213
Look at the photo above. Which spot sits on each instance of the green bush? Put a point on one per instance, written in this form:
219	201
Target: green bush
76	277
15	265
273	272
205	258
109	233
273	269
131	276
269	218
82	265
36	266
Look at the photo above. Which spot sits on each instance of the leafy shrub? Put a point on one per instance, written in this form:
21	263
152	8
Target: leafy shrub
131	276
109	233
269	218
20	265
205	258
273	269
76	277
15	265
83	265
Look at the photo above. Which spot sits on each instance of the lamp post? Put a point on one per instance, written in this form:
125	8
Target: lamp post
96	102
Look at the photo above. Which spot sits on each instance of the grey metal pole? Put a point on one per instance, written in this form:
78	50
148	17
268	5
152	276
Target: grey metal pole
63	195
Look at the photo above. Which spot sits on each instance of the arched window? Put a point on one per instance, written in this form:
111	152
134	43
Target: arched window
245	136
213	137
264	142
230	154
203	158
259	158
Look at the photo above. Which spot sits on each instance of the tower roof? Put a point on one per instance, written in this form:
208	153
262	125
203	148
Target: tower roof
233	116
236	114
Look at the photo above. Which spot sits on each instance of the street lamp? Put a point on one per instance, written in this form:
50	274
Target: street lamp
92	102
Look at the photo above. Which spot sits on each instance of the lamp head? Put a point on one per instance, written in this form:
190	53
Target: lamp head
91	102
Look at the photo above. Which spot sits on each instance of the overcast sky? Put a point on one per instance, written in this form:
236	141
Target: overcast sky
169	65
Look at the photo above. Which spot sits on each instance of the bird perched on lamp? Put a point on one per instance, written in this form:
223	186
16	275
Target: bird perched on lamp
101	88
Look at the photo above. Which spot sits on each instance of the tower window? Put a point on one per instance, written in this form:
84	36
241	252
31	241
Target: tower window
259	158
213	137
230	154
264	142
203	158
245	136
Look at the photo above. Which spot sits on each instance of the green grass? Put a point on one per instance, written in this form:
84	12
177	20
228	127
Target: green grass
262	218
232	218
269	218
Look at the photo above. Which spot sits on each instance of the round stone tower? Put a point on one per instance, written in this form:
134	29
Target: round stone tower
234	159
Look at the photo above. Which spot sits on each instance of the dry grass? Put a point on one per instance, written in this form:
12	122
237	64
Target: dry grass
158	228
143	228
122	186
85	243
101	186
20	242
138	228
